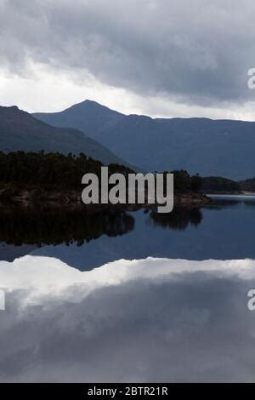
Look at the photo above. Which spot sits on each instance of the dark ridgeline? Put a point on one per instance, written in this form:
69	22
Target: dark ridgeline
20	131
248	185
209	147
216	184
220	185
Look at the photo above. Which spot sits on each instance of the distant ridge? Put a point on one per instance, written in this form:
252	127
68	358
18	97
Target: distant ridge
21	131
209	147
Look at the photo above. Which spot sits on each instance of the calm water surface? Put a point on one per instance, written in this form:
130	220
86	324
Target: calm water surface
71	317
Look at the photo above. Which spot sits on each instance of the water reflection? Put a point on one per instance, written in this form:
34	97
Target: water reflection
225	230
151	320
142	321
179	219
53	226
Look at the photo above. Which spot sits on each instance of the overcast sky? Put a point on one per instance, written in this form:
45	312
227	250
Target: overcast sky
157	57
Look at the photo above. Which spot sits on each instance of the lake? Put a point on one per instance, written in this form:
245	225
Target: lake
124	297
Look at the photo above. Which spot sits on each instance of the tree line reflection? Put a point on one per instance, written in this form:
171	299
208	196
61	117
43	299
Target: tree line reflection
44	227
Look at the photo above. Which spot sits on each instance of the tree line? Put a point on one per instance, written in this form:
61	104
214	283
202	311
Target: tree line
65	171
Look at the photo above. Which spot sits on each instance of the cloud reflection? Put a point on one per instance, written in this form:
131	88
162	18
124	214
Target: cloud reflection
154	320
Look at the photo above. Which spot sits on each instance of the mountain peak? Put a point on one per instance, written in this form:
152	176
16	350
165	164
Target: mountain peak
87	102
92	106
13	113
9	108
92	102
87	116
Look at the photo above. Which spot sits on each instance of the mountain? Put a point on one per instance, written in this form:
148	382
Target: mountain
21	131
209	147
88	116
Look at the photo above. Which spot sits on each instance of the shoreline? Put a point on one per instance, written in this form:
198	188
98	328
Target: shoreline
244	193
34	197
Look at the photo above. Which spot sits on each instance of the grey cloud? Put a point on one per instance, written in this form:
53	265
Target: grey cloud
195	327
193	51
